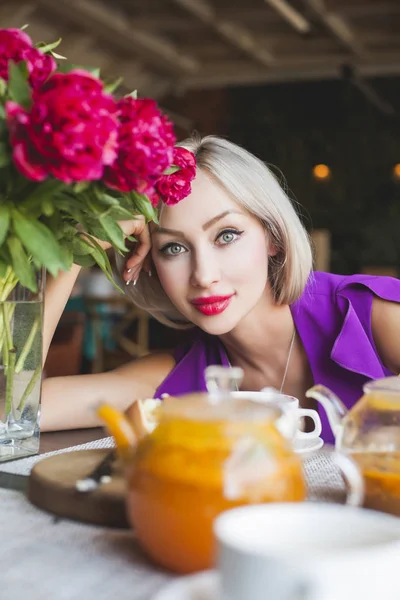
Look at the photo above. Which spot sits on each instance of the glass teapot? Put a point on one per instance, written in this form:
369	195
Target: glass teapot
370	433
208	453
205	454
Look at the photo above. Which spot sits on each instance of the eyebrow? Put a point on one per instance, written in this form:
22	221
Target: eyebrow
206	225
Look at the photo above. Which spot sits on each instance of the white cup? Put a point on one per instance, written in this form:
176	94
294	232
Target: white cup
307	551
289	424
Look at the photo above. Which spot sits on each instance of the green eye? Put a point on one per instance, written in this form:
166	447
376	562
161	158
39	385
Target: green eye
173	249
227	237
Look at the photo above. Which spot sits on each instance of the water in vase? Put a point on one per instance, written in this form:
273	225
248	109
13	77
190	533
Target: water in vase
20	378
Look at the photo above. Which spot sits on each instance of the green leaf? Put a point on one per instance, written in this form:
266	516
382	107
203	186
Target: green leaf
42	191
111	87
4	222
118	213
81	186
172	169
58	56
18	86
48	207
2	109
114	232
106	199
144	207
5	155
40	242
101	258
132	95
24	26
84	260
3	269
68	256
47	47
21	265
79	247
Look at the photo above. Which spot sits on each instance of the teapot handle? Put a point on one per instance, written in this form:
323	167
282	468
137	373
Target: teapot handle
351	476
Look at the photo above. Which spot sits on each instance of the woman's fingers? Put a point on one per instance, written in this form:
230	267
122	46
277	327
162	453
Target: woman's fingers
140	251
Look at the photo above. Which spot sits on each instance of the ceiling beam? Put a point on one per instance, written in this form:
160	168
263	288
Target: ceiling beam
338	26
237	36
294	17
116	30
303	69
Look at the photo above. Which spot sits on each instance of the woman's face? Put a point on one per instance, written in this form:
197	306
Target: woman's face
211	257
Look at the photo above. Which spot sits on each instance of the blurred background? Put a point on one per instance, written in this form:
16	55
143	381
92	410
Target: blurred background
312	87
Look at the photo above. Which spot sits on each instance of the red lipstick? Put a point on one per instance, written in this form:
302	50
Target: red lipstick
211	305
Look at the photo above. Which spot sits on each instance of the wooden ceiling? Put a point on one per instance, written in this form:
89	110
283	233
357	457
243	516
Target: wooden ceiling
170	46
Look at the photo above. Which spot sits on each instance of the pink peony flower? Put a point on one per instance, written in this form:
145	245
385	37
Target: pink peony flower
13	42
145	144
40	66
153	196
16	46
70	132
175	187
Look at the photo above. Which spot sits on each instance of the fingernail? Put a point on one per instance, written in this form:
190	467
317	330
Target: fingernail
129	270
135	281
149	272
128	282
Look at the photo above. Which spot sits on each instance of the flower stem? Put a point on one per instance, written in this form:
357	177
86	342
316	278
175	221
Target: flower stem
7	313
27	346
10	381
29	387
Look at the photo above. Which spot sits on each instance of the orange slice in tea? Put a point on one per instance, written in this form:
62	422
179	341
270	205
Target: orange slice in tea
119	427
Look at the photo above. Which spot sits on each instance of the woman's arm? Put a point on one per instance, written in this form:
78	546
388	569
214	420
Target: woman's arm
69	402
58	290
386	332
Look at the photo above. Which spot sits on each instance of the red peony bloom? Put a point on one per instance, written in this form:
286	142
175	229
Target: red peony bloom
153	196
40	66
70	132
13	42
175	187
16	45
145	144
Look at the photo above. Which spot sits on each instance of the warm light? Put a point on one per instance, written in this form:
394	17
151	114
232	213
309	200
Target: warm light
396	171
321	171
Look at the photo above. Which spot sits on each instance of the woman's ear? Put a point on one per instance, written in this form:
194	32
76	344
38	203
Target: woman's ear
272	250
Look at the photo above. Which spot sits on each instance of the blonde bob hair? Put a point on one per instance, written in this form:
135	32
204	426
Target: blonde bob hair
254	187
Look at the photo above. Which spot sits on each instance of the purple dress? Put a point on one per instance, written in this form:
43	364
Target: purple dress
333	320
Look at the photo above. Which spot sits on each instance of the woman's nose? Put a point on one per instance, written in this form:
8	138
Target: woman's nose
205	271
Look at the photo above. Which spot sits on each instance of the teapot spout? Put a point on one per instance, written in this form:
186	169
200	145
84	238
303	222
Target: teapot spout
334	407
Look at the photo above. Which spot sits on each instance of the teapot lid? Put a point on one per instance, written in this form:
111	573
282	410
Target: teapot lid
387	385
198	407
219	403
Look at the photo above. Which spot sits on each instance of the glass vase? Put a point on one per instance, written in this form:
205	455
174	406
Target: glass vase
21	320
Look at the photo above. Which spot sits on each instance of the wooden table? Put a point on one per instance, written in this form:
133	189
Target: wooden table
57	440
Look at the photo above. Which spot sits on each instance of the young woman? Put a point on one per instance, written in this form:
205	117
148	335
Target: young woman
233	261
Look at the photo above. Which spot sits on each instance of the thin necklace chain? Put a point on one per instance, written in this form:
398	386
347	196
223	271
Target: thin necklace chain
286	366
288	361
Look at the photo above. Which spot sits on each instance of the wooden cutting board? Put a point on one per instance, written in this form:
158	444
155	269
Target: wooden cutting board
52	488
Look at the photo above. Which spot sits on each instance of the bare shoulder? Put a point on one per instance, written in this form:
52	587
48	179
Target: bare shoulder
147	373
386	332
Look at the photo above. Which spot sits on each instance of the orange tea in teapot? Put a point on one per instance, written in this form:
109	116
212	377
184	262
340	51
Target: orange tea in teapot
381	472
198	462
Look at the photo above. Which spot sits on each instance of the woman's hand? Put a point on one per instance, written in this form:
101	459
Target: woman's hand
140	230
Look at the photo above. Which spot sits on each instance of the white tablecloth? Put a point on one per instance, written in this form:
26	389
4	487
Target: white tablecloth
44	558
